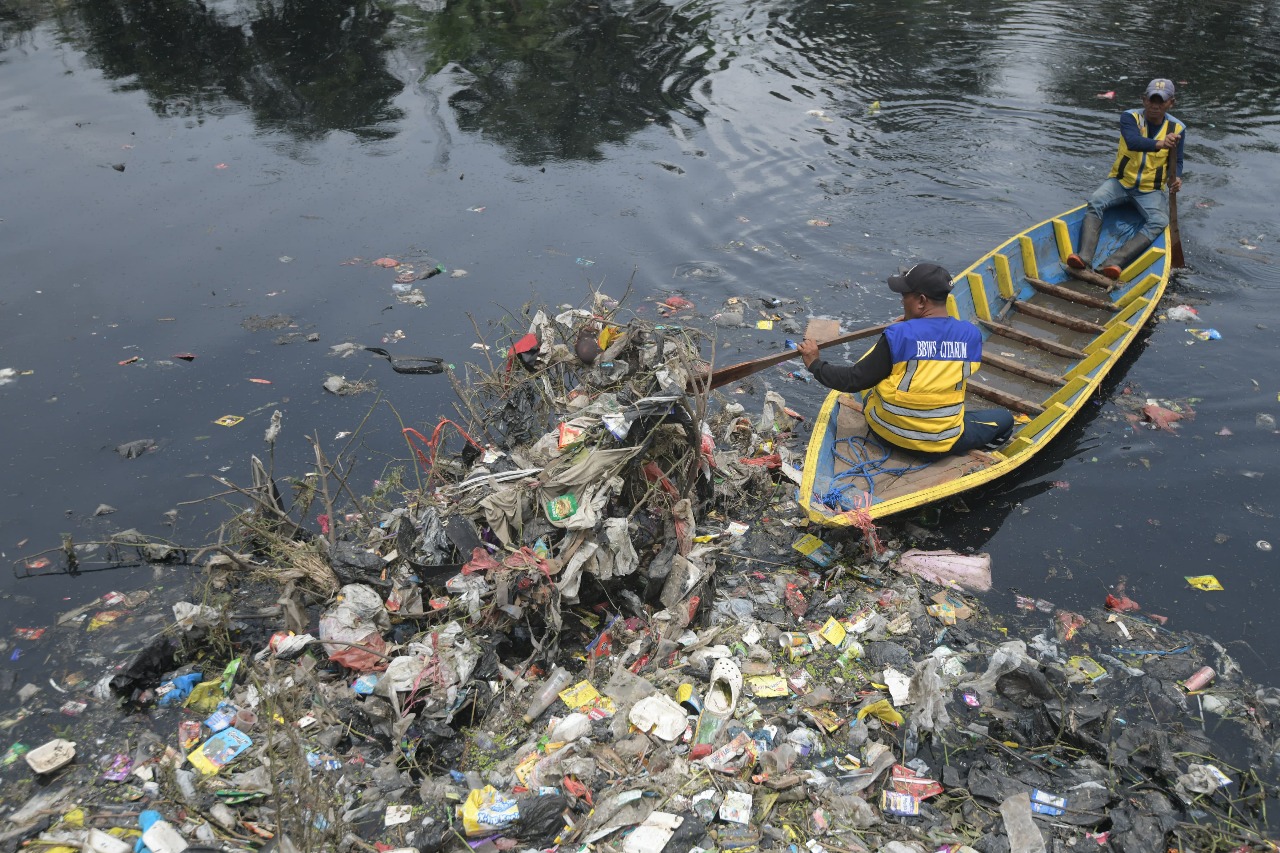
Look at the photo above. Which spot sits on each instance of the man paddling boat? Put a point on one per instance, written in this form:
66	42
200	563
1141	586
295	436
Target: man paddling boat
915	375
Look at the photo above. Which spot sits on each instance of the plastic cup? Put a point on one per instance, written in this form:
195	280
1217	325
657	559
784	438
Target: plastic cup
245	719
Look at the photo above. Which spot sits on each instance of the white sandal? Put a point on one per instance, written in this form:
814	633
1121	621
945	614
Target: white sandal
726	687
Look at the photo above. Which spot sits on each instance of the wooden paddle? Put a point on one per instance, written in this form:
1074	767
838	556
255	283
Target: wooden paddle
734	372
1174	236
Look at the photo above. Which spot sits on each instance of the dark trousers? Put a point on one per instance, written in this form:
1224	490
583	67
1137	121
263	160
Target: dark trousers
988	426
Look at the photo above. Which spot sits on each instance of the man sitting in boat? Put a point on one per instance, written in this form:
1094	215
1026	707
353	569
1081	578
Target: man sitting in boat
1145	165
915	375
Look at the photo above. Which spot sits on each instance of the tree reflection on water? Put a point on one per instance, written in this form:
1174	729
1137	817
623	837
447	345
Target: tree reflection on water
549	80
562	79
306	68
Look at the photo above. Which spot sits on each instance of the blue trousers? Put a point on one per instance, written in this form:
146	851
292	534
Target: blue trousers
1154	205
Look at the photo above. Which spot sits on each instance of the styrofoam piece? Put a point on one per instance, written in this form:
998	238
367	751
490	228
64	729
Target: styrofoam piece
101	842
163	838
51	756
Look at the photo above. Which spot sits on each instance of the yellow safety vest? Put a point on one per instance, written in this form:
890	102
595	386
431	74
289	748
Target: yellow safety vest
920	405
1147	170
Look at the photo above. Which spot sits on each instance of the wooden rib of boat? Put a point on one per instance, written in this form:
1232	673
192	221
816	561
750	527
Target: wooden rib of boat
1050	336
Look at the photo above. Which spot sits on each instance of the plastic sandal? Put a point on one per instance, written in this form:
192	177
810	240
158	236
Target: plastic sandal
726	687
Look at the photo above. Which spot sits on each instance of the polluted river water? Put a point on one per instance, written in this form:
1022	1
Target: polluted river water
218	181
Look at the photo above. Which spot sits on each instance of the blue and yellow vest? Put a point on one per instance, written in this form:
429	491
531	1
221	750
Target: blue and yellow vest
920	405
1147	170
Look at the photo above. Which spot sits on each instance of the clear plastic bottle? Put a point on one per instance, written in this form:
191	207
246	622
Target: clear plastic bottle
556	682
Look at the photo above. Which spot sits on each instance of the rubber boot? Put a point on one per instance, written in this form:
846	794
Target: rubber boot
1125	255
1089	231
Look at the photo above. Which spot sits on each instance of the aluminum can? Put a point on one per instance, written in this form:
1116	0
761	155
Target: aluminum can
1200	678
794	653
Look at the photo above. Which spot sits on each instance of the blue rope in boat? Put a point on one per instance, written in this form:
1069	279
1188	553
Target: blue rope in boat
866	457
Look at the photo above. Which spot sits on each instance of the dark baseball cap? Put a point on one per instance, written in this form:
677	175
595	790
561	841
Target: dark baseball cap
930	279
1162	87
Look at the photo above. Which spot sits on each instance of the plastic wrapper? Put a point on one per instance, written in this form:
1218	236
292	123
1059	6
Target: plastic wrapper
486	812
896	803
219	751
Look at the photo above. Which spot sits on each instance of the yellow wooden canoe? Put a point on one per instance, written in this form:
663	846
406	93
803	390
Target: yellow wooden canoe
1050	338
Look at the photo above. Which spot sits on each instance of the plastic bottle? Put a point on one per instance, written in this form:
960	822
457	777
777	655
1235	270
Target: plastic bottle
556	682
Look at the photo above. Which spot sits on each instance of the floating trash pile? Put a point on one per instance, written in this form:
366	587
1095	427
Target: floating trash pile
593	617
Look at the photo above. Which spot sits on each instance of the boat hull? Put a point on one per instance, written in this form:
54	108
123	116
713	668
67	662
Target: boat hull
1049	342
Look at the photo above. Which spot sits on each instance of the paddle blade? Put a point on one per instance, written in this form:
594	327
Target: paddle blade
1175	236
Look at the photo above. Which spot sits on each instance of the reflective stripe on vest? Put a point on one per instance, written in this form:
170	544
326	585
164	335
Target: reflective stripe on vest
915	435
1147	170
941	412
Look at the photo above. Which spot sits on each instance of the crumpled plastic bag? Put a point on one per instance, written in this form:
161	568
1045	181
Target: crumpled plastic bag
684	576
403	673
433	545
583	559
542	818
358	619
620	558
190	616
505	511
1199	779
469	588
930	697
774	418
900	847
659	715
449	658
405	597
1005	659
852	810
591	478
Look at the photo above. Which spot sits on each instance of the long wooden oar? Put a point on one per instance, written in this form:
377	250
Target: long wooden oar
1174	236
734	372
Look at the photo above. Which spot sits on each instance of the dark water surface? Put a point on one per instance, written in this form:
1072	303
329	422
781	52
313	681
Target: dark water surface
547	147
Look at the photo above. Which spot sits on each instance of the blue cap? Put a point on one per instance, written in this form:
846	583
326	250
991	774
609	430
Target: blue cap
1162	88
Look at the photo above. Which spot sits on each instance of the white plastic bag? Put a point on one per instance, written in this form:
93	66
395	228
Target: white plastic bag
1005	659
